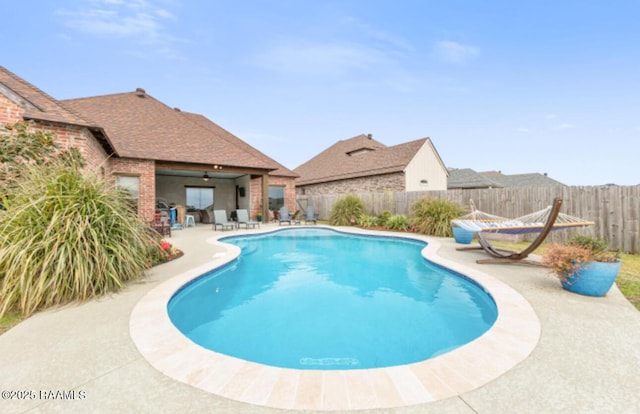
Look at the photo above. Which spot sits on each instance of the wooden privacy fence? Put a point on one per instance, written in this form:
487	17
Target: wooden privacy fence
614	209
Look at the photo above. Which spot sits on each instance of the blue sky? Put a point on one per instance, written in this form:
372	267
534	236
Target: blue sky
516	86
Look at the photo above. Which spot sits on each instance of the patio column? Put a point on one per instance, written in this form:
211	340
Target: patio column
265	197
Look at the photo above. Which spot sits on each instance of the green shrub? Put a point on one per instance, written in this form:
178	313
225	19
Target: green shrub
595	245
383	217
346	211
66	236
598	247
367	221
398	222
433	216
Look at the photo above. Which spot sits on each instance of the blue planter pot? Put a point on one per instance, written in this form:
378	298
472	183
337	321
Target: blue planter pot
462	236
593	278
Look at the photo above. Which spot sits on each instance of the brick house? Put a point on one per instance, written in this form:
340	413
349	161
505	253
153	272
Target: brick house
157	152
362	164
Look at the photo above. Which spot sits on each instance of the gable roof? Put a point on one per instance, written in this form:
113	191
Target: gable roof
360	156
36	104
233	140
140	126
521	180
468	178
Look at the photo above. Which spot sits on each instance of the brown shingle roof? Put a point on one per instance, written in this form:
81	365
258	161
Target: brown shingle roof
37	104
140	126
344	160
233	140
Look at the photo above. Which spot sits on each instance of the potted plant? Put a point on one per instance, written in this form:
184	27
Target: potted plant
584	265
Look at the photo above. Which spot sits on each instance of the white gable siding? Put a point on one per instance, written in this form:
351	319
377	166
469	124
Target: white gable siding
426	165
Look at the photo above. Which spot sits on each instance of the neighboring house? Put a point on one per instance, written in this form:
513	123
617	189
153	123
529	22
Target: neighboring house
522	180
362	164
153	150
467	178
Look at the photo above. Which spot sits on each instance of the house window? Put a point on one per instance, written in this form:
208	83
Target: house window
276	198
199	198
132	186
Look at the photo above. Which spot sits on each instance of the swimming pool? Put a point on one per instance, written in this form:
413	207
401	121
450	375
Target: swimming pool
508	342
319	299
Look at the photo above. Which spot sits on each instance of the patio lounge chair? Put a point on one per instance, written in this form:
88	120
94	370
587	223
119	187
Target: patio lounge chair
283	216
220	217
243	218
311	216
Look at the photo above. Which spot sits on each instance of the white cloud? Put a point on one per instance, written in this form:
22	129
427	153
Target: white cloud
454	52
565	126
328	58
550	116
523	130
140	20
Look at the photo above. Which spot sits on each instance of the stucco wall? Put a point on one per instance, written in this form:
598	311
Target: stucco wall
173	190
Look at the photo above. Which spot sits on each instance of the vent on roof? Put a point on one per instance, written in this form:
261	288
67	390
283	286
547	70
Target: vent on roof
369	136
140	92
177	109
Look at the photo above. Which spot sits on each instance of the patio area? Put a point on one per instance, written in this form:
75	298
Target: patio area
586	359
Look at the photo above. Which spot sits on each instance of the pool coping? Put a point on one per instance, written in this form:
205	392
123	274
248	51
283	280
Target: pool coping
510	340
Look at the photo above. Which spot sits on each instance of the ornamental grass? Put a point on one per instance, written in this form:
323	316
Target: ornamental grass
66	235
346	211
432	216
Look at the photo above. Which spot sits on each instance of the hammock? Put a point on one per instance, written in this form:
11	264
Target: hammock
542	222
478	221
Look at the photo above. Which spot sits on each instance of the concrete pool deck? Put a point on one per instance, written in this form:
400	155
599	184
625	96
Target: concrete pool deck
81	358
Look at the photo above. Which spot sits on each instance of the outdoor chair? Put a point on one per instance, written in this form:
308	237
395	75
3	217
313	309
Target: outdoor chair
243	218
310	216
162	223
220	219
283	216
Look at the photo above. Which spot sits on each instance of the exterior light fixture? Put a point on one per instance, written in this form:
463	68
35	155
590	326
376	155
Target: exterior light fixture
205	177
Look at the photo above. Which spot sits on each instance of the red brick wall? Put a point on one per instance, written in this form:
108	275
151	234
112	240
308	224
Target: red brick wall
289	192
10	113
255	192
66	136
146	171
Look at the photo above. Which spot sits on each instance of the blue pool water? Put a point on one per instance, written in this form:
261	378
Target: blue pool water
321	299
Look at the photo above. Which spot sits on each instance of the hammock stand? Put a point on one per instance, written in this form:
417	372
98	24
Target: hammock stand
517	227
